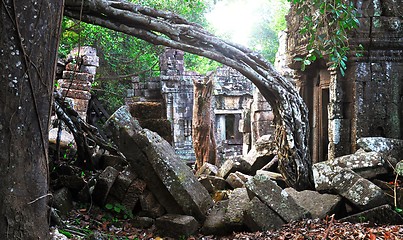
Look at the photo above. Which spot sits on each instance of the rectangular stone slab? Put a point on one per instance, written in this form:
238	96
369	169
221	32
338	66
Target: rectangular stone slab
275	197
169	178
259	217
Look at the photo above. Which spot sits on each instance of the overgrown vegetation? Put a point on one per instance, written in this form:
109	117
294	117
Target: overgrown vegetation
265	34
327	23
123	57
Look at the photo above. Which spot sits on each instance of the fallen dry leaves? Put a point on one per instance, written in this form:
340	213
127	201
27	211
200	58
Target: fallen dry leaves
97	220
326	229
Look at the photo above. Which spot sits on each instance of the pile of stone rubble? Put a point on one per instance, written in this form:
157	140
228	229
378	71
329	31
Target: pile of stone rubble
244	194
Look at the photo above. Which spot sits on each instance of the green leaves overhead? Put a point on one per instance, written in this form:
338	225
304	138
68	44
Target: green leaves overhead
122	56
326	24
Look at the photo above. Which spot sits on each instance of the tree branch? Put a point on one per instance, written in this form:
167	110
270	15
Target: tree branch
83	133
171	30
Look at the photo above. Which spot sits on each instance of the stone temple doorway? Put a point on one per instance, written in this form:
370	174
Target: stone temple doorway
316	93
323	132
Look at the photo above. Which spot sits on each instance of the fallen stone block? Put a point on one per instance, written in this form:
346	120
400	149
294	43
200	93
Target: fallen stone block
381	215
357	190
364	194
116	162
261	154
218	182
366	164
72	182
154	159
276	177
122	184
317	204
207	184
244	177
66	140
207	169
259	217
275	197
213	183
142	222
150	207
173	225
323	175
233	165
215	223
271	175
389	146
133	193
238	201
235	181
104	183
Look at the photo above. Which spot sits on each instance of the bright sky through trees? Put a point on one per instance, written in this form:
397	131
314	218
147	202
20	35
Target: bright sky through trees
237	19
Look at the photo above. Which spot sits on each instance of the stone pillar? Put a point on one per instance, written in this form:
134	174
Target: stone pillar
171	62
339	119
261	117
76	80
177	92
245	128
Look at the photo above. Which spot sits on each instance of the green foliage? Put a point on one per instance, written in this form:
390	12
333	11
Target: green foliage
120	210
327	24
200	64
192	10
66	233
265	41
122	55
399	172
265	34
112	92
119	55
399	168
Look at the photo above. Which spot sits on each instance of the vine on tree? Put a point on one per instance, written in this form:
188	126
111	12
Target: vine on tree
327	23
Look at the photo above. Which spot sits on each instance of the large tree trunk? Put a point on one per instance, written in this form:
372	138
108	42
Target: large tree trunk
29	33
202	134
168	29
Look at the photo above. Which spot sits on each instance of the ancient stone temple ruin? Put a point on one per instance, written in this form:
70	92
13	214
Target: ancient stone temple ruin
165	104
367	101
239	120
76	76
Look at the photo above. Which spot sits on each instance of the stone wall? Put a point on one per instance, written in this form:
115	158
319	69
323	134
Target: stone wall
367	101
232	98
77	77
165	104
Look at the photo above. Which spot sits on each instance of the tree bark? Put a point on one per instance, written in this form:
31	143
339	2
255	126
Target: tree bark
202	134
29	37
168	29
